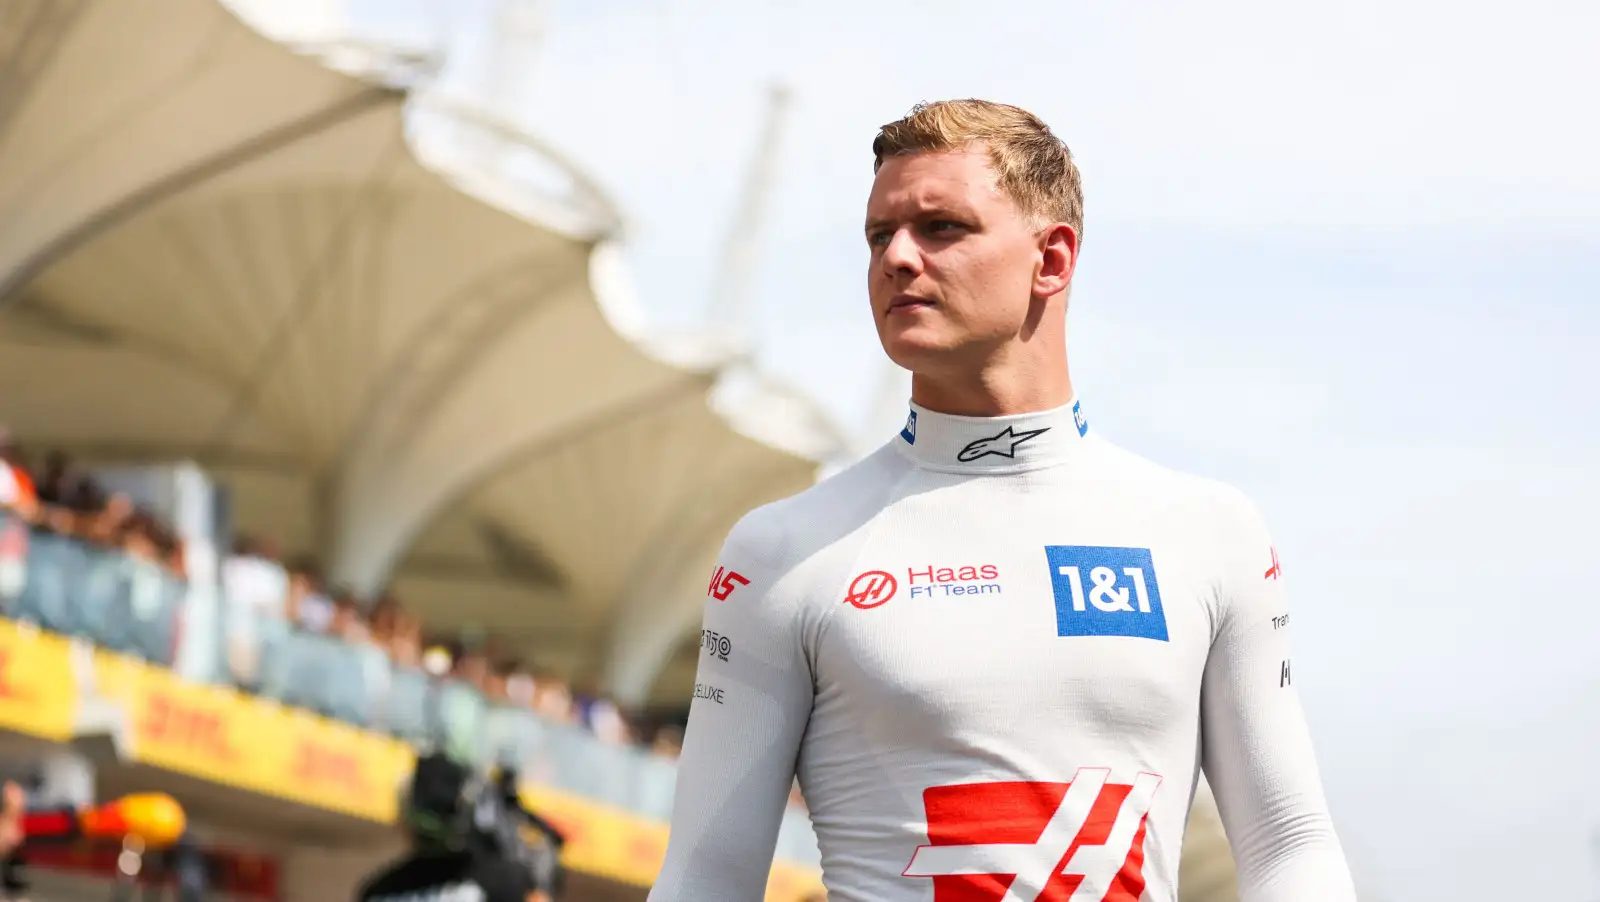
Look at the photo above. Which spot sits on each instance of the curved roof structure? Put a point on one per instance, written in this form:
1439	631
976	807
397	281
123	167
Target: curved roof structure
395	328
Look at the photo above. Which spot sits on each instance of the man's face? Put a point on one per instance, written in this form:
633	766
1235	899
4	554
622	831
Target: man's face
953	260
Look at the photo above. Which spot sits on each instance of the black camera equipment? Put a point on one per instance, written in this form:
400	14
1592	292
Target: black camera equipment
450	807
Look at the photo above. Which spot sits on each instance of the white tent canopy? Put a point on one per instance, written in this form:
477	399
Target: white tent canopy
420	370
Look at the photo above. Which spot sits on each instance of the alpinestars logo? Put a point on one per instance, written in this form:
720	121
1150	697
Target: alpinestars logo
1002	445
1037	842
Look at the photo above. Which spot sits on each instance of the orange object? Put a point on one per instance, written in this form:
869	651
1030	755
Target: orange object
154	817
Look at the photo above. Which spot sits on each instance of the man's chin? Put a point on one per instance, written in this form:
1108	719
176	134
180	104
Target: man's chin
917	349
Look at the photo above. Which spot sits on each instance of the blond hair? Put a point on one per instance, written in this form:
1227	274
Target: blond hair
1033	167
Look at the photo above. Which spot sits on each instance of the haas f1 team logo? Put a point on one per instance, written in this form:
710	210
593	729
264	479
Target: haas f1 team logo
1037	842
871	589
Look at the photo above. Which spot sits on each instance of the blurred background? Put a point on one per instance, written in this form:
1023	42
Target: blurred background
382	373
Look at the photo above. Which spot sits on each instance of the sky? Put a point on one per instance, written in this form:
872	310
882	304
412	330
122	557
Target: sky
1345	256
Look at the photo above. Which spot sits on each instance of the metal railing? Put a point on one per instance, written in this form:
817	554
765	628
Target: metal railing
135	607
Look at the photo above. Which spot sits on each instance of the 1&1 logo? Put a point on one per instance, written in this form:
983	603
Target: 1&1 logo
1102	591
871	589
909	433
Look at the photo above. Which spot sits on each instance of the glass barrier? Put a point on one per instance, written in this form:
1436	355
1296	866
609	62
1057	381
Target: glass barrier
134	607
109	598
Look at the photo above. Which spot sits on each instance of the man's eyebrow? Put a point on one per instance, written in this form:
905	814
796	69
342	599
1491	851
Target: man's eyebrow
875	224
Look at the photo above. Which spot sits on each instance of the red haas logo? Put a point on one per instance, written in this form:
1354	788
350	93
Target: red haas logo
316	764
196	729
723	582
1044	842
871	589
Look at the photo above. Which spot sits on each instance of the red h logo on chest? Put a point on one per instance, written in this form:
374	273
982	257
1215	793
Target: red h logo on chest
1037	842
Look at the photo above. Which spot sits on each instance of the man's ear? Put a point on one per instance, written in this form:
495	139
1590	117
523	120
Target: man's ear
1058	245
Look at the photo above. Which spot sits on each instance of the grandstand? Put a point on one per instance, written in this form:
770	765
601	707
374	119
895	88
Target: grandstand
330	430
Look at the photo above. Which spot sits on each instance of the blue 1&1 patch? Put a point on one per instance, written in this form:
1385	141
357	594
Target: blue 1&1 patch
909	433
1103	591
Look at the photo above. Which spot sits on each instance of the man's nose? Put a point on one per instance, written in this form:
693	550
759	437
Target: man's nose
901	254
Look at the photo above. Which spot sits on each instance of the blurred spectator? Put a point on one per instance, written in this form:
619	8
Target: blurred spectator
254	583
383	621
308	609
605	721
470	663
105	524
17	491
84	496
552	698
140	538
668	741
53	479
519	688
346	622
494	683
405	648
255	591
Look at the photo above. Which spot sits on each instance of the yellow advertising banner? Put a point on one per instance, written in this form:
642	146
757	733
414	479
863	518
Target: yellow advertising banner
600	840
38	694
224	736
790	883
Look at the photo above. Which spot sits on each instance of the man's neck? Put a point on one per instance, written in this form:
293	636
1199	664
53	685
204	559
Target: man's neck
994	393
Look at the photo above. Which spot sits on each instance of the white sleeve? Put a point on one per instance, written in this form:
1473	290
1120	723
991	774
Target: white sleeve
753	695
1256	749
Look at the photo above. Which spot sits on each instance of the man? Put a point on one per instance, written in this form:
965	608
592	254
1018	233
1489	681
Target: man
998	650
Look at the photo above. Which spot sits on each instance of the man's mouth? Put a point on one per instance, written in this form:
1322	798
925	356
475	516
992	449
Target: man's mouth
908	302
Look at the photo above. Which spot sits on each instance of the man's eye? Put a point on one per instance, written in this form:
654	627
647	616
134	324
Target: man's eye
942	227
878	239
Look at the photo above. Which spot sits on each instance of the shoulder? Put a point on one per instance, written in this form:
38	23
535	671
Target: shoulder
1208	523
1209	503
794	552
782	534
